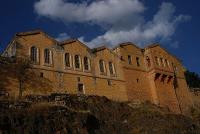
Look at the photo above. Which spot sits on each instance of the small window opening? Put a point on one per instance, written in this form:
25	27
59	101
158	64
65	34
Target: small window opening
138	61
129	60
81	88
169	79
166	63
163	78
42	75
109	82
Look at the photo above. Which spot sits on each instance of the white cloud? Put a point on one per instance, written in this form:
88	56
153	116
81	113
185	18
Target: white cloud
124	21
99	11
62	37
162	27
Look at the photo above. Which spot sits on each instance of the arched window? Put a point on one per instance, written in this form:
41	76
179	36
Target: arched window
162	62
33	54
148	61
166	63
67	60
138	61
129	60
86	63
47	56
111	68
101	66
77	61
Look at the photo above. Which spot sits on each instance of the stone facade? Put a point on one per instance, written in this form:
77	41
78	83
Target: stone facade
125	73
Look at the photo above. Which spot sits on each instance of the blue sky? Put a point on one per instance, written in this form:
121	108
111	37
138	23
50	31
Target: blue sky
173	23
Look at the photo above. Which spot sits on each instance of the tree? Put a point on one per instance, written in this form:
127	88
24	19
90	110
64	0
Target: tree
22	70
4	73
23	73
193	79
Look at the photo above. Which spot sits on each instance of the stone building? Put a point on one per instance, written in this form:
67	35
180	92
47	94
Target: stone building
124	73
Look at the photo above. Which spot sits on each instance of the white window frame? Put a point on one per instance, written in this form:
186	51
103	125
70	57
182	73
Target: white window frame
70	60
104	67
89	65
37	54
50	57
113	68
80	61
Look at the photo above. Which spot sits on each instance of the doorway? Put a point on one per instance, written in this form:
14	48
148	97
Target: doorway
81	88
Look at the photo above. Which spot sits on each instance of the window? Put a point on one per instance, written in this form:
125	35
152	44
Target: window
86	63
42	75
111	68
166	63
81	88
157	61
137	80
109	82
34	54
163	78
77	61
162	62
129	60
101	66
67	60
47	56
138	61
169	79
148	61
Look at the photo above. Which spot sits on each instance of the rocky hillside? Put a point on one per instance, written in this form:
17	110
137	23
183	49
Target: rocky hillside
72	114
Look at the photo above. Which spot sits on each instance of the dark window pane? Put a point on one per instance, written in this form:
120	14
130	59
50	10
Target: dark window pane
138	61
47	56
86	63
77	61
101	65
111	68
67	60
33	54
109	82
129	60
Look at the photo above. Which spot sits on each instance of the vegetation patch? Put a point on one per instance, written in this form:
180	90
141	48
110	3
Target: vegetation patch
90	114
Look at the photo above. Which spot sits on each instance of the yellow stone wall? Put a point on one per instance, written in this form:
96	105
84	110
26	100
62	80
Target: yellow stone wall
147	81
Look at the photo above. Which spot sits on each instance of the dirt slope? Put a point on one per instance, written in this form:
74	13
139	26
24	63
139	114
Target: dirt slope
72	114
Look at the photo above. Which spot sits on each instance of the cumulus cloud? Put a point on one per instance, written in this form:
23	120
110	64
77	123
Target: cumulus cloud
62	37
162	27
99	11
124	21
